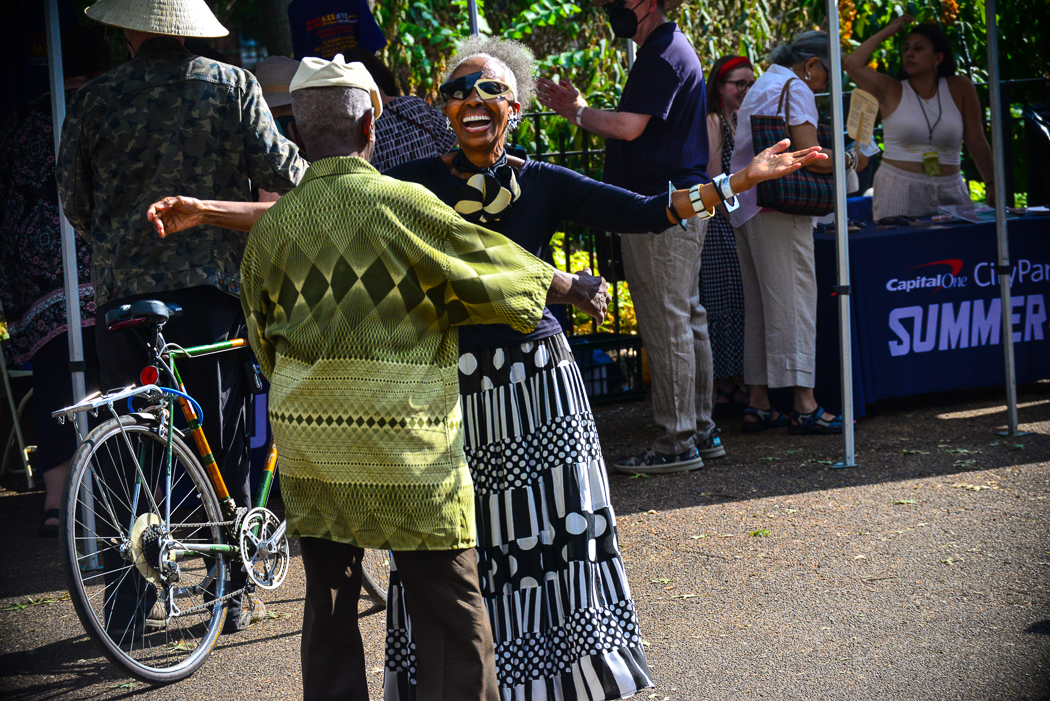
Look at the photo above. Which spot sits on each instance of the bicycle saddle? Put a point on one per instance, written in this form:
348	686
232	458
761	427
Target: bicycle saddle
146	311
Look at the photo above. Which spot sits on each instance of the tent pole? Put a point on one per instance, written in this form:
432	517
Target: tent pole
841	238
1003	267
69	248
472	9
69	263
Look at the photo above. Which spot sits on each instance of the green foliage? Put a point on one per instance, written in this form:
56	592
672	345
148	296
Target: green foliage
571	41
1022	53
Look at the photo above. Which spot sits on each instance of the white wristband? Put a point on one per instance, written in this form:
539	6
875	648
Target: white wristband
725	192
579	116
698	203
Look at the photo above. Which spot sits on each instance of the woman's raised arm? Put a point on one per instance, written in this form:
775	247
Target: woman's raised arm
880	85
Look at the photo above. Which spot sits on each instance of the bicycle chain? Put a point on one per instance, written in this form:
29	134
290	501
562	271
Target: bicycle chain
206	524
224	597
209	604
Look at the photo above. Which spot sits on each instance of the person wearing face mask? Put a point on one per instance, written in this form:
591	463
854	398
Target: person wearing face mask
658	134
926	116
775	251
721	292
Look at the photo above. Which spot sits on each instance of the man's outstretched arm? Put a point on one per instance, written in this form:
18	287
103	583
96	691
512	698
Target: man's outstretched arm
173	214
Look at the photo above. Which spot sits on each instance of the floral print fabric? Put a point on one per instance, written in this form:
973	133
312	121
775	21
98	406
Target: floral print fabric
31	277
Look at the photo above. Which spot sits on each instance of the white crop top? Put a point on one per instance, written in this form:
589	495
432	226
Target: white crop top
906	132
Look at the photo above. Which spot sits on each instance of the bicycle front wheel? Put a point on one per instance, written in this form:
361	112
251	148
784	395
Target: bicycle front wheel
143	554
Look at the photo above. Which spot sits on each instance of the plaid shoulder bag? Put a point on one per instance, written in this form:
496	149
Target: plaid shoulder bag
802	192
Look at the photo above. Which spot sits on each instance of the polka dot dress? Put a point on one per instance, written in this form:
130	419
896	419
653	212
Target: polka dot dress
549	564
721	291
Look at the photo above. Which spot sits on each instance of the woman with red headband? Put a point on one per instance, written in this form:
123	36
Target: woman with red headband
721	292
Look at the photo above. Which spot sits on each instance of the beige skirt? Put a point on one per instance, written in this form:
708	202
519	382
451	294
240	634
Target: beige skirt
900	193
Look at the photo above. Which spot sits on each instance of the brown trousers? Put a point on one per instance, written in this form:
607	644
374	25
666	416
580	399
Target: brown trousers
454	649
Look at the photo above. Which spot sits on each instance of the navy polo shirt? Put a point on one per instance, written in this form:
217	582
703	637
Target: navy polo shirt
666	83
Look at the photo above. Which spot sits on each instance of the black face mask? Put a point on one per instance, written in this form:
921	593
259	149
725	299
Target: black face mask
622	21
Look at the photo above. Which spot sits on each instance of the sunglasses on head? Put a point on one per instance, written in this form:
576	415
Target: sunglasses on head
488	88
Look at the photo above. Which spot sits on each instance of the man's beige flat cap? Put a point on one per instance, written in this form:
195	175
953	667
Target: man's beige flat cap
318	73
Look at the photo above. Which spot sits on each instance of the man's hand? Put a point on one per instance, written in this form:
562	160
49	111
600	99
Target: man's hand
173	214
562	98
590	294
776	162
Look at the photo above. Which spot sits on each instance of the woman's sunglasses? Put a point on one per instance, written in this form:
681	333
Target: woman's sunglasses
488	89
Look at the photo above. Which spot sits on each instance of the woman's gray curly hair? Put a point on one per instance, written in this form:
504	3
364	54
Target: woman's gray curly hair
517	58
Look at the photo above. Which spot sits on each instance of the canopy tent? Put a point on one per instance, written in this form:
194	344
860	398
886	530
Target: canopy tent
76	353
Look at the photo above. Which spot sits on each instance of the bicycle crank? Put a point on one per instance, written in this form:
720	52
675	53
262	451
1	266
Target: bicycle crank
264	547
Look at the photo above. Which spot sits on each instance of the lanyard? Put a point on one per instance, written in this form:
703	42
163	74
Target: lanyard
940	113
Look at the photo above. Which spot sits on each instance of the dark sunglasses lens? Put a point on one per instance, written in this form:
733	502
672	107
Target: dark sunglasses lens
454	88
492	87
459	88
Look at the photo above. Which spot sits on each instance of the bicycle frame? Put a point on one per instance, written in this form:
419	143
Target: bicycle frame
197	431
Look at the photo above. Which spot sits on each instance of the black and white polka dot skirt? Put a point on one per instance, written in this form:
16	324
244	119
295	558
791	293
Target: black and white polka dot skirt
549	565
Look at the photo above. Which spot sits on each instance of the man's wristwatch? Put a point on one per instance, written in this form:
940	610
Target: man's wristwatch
579	116
725	192
851	160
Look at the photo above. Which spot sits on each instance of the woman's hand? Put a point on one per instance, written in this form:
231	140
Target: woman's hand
989	195
898	24
173	214
590	295
776	162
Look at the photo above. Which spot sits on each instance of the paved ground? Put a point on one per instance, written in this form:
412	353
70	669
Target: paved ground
921	574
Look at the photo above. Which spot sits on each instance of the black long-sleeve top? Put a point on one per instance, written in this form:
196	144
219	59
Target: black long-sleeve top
550	195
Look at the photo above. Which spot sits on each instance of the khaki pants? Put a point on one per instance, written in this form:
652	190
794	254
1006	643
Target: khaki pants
780	299
663	271
454	649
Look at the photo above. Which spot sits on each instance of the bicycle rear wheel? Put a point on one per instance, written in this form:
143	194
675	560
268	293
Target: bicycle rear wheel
375	566
155	614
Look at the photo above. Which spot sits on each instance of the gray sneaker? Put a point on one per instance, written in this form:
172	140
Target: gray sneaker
253	610
653	463
712	447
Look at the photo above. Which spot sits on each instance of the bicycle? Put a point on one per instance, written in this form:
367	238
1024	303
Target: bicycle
149	531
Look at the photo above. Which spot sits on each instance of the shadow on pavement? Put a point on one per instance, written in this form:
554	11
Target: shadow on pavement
910	439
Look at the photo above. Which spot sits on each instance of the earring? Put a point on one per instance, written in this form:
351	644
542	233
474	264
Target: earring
448	124
807	75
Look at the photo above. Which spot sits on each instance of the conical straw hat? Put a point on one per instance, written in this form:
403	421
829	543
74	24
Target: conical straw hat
182	18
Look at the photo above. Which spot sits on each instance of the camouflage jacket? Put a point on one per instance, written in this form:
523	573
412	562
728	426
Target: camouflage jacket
167	123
